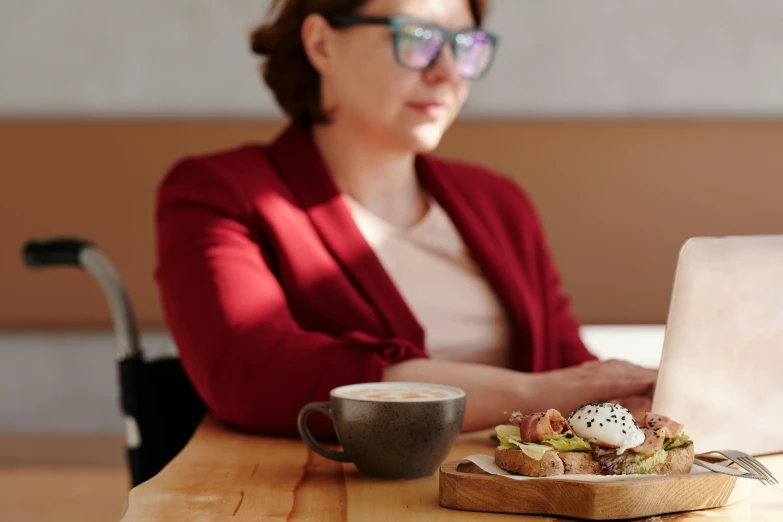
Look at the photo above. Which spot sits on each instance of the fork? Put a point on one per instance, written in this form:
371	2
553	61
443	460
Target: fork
728	471
749	463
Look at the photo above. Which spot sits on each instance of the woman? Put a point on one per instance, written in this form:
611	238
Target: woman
342	253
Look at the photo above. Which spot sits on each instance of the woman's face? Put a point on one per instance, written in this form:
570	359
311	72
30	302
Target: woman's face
368	91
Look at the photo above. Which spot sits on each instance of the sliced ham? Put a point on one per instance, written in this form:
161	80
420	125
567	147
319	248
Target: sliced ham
655	421
653	440
534	427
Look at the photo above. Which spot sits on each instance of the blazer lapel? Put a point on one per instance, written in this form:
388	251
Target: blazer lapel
486	246
302	168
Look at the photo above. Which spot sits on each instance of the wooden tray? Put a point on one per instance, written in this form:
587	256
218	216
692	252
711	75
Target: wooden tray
465	486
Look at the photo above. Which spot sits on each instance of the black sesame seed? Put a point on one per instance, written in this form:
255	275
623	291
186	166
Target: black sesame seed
602	424
623	431
623	417
579	417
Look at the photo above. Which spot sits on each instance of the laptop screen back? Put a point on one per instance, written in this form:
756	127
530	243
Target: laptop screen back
721	370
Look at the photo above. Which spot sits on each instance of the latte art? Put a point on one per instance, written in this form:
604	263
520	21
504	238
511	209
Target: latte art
398	394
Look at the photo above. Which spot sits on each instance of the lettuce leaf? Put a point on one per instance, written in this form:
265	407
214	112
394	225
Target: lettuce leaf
680	441
645	464
510	438
507	431
563	443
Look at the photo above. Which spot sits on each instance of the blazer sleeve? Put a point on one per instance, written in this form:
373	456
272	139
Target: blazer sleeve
240	345
557	305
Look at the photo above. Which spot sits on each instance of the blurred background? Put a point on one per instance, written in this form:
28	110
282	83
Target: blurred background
633	125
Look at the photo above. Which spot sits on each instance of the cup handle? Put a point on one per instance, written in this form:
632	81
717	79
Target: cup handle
304	431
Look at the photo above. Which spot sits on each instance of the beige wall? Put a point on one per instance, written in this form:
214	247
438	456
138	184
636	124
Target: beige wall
618	198
556	57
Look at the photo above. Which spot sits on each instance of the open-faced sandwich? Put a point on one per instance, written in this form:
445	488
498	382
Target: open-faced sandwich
596	439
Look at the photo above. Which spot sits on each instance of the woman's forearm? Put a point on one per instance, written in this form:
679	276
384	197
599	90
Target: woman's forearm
491	391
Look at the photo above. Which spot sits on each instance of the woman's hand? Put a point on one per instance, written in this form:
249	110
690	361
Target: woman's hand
492	391
594	381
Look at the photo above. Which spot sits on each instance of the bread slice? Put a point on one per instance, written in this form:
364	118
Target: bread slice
678	461
579	463
552	463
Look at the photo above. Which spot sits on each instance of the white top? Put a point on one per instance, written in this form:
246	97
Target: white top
462	317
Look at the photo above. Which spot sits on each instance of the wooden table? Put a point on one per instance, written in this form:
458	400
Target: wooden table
225	475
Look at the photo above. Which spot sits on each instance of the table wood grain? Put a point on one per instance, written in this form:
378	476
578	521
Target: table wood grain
225	475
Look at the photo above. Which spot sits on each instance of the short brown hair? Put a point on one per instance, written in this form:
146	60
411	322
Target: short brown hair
287	70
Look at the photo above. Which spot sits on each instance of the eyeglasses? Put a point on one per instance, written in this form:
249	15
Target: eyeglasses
418	43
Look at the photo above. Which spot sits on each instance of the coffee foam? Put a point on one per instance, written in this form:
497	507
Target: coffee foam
397	392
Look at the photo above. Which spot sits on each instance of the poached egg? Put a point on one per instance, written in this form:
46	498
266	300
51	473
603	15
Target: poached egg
606	424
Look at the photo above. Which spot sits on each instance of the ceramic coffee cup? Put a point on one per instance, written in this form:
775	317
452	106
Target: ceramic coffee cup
391	429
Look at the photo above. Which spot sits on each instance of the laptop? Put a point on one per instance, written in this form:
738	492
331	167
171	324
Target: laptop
721	371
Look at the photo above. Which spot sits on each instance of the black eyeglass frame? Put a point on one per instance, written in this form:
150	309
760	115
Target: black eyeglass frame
342	21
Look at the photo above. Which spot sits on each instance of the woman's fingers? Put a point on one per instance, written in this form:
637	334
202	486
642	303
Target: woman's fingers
638	405
628	388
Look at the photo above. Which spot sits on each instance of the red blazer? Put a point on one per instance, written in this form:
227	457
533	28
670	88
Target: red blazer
274	298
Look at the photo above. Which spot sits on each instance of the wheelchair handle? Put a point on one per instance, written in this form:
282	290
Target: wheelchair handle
54	252
85	255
